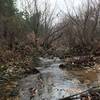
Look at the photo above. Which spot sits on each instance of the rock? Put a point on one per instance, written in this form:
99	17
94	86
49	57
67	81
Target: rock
62	66
31	71
35	71
14	93
67	66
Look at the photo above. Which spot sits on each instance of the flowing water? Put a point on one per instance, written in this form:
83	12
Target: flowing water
52	84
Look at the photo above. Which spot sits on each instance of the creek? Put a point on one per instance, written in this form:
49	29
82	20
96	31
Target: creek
52	83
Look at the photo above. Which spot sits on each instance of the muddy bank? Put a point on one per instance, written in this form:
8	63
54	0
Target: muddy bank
81	68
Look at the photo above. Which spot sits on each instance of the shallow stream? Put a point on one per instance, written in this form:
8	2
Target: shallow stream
52	84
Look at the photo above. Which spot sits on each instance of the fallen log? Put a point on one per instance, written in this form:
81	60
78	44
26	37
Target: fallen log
85	93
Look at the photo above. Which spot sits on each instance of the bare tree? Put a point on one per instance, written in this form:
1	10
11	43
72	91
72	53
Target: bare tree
82	24
46	19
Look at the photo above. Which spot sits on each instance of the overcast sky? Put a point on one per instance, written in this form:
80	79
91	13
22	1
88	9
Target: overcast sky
60	3
60	6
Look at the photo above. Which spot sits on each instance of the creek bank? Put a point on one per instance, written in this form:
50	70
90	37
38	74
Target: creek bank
16	64
9	88
9	81
87	71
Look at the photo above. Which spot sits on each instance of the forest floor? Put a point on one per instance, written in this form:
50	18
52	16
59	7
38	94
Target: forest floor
14	65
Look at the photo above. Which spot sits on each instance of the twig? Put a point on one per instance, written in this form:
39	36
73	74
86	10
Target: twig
71	97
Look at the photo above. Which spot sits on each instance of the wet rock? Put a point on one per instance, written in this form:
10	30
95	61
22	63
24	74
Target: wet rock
31	71
62	66
35	71
67	66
